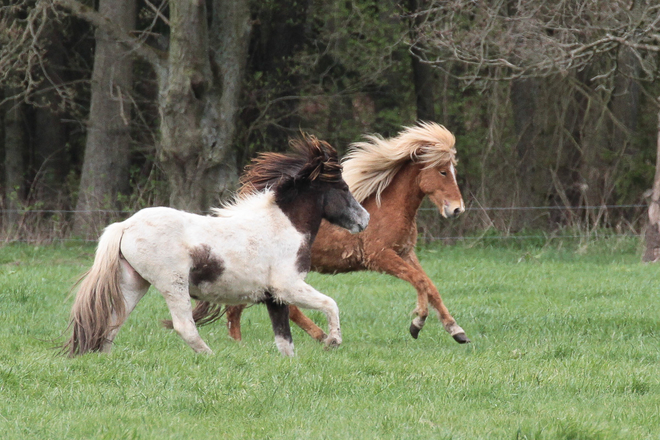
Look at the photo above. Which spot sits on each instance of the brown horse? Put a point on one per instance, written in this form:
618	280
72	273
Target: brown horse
390	178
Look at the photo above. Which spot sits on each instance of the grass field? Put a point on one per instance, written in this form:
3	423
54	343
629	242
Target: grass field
565	345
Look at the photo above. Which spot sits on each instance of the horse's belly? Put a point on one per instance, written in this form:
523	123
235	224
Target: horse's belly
217	297
232	289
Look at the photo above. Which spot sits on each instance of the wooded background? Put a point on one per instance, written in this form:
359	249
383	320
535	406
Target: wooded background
114	105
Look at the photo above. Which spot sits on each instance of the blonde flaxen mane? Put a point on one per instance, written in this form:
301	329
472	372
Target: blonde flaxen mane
370	166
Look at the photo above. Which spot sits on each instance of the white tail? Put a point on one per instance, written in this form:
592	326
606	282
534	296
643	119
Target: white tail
99	305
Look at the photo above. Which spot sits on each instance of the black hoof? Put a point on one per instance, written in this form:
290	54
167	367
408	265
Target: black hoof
414	331
461	338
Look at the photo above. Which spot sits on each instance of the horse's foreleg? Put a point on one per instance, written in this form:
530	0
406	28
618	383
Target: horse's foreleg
295	314
279	318
305	296
309	326
412	272
434	298
178	301
234	320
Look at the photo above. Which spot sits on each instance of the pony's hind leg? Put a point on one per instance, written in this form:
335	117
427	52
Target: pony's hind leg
234	320
133	288
178	301
279	318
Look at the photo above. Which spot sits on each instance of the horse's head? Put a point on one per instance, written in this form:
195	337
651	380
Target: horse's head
312	172
370	166
432	147
439	184
323	172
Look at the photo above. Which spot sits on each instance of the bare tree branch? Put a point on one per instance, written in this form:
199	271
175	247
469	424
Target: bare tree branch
133	44
494	39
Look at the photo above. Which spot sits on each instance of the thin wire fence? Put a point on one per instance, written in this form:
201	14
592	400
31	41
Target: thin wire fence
467	209
38	226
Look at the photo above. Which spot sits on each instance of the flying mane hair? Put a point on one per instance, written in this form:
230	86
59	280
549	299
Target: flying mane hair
312	159
370	166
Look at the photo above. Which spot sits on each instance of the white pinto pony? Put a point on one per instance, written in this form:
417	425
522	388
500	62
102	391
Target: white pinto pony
255	250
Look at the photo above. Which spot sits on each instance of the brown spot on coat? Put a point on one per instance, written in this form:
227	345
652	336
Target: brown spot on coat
205	266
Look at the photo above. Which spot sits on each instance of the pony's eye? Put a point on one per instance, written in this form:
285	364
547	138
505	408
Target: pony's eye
444	173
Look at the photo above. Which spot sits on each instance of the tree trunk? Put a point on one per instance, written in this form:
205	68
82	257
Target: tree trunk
652	238
423	74
529	183
199	101
15	144
49	158
198	87
105	171
46	130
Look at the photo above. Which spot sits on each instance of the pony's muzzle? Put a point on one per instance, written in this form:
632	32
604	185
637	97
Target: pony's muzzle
453	209
361	223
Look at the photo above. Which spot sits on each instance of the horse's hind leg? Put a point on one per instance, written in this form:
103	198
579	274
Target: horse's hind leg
234	320
177	298
133	288
279	318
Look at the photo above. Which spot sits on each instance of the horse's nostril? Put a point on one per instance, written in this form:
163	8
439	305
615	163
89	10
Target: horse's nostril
457	211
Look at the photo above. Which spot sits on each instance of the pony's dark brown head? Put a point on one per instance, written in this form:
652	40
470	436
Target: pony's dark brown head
308	185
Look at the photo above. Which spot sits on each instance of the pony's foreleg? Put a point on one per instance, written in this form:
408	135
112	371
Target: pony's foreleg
305	296
234	320
279	318
412	272
434	298
178	301
309	326
133	288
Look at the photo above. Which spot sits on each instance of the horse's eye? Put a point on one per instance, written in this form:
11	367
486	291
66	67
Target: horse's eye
444	173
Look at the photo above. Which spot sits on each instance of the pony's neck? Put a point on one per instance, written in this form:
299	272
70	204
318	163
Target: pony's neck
305	211
403	193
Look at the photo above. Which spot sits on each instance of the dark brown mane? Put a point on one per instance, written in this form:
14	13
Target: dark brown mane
312	160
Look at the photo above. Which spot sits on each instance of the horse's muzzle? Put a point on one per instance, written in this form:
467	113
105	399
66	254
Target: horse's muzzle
452	210
361	224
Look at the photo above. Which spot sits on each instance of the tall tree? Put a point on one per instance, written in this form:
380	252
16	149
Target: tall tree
199	100
652	237
105	170
48	140
14	171
423	73
199	81
540	38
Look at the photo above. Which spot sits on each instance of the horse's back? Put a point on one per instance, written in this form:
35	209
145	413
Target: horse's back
165	245
155	242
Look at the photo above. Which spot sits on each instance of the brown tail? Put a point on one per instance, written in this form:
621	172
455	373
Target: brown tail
99	300
203	313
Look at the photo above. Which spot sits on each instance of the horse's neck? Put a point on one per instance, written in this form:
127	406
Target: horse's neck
403	194
304	212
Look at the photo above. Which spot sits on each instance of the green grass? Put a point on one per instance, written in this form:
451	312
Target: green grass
565	345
